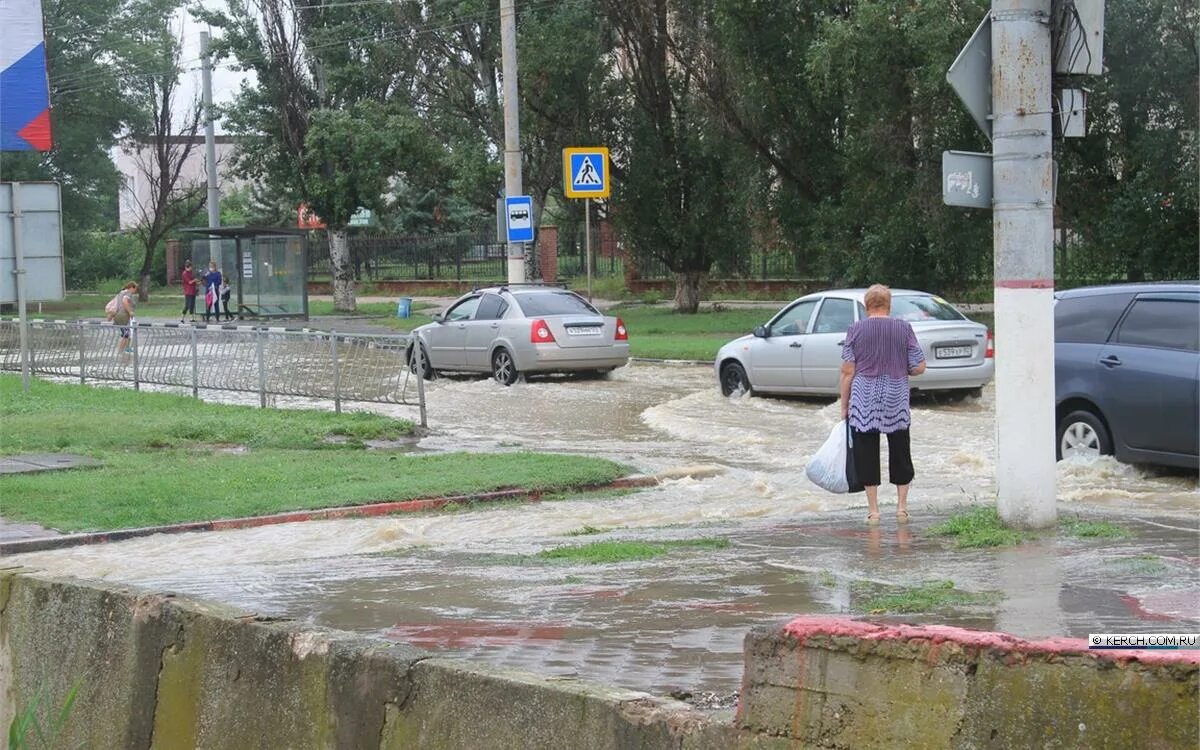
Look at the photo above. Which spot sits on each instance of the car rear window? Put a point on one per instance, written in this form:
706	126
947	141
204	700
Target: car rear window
554	303
1089	319
1162	323
912	307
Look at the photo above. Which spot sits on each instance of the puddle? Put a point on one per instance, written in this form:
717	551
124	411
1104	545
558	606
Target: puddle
462	583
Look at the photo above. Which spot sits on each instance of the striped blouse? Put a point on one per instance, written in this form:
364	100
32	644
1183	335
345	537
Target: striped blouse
883	350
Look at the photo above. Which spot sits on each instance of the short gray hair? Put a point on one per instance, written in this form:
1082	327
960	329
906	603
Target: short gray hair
878	297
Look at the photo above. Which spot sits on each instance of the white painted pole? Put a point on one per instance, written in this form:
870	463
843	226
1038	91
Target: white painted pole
1023	225
512	128
19	273
587	242
210	148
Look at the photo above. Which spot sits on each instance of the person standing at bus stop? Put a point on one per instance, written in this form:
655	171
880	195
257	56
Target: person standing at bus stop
189	292
212	294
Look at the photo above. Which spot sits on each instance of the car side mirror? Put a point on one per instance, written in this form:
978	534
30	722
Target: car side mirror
762	332
438	317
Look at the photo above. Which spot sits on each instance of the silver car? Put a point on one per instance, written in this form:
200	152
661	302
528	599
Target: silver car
514	329
800	350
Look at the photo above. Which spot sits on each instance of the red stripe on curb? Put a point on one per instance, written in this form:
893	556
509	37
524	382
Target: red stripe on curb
983	640
1025	284
370	510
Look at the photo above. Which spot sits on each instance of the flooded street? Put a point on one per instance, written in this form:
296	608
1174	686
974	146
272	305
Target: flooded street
470	583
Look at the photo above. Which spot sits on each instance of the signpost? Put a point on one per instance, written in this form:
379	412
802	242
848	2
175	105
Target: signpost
970	75
586	175
967	179
518	213
1004	77
31	262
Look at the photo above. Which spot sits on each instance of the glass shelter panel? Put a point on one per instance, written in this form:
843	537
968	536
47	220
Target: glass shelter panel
273	276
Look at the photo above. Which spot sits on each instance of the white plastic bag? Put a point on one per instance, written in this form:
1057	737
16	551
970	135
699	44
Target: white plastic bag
827	468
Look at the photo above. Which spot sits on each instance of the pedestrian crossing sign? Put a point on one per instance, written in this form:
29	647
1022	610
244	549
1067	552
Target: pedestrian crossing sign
585	172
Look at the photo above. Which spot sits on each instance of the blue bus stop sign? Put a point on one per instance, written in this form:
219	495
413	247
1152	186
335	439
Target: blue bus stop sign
518	211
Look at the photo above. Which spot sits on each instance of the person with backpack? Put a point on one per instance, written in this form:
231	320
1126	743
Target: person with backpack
212	294
119	311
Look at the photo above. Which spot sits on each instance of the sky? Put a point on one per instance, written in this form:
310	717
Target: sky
225	81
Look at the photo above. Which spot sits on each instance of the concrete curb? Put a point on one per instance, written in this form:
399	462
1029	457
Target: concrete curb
369	510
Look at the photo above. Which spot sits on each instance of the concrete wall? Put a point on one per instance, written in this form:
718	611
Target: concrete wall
161	672
824	682
156	671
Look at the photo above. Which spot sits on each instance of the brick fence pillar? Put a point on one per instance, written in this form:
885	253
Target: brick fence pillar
547	240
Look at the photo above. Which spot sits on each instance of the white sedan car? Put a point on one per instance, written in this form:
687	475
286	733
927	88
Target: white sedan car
800	350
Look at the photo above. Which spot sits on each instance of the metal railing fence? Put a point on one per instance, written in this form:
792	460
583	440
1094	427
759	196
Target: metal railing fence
267	361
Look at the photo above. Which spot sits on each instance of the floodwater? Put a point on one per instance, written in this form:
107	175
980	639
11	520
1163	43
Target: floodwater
470	583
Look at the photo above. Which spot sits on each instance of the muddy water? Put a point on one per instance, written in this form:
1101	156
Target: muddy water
468	583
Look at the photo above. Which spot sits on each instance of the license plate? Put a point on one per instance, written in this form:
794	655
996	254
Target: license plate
952	352
585	331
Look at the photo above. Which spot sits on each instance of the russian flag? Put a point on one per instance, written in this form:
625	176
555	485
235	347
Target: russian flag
24	88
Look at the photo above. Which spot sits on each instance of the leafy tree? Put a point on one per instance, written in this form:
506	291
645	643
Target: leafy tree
328	121
96	50
680	189
161	145
847	108
1128	190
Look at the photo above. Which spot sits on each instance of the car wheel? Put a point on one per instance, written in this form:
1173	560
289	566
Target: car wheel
504	369
427	370
734	381
1082	433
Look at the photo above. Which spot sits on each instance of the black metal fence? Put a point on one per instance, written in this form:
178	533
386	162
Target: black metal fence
464	256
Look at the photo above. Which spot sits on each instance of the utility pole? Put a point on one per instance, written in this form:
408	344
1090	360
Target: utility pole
1023	226
512	128
210	147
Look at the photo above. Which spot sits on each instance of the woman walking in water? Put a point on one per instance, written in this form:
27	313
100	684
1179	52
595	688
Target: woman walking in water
878	357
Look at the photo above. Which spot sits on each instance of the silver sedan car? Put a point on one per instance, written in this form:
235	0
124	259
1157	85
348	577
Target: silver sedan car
514	329
800	350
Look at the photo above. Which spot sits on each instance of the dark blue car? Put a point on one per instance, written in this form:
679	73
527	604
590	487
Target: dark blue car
1127	372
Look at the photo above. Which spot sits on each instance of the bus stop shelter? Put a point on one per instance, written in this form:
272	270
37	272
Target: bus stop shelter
267	267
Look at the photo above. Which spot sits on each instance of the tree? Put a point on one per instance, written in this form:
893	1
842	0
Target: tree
161	148
683	186
328	121
847	109
1128	190
96	50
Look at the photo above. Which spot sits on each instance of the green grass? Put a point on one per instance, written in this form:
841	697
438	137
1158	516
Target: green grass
83	419
587	530
661	333
978	527
927	597
1094	529
91	305
161	464
599	553
603	287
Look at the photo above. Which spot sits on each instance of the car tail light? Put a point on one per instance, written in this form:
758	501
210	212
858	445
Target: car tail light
990	352
622	334
540	333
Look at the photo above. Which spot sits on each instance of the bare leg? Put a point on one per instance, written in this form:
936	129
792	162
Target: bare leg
902	500
872	502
